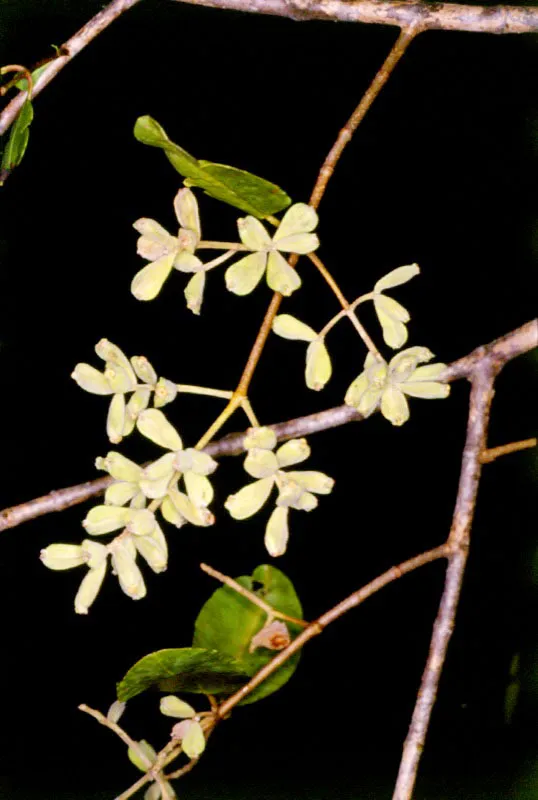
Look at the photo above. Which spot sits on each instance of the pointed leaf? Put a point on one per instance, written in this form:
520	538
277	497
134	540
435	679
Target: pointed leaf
188	669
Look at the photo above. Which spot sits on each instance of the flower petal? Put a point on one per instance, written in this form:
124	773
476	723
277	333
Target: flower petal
165	392
396	277
299	218
137	402
187	213
105	519
298	243
291	328
172	706
248	500
62	556
144	369
154	426
243	276
129	575
356	390
318	365
276	539
260	463
152	551
120	493
394	406
194	292
155	241
95	553
253	234
141	521
280	276
262	437
115	420
171	513
394	331
193	741
429	390
199	489
120	467
404	364
89	588
313	481
292	452
91	380
196	515
429	372
187	262
199	462
147	283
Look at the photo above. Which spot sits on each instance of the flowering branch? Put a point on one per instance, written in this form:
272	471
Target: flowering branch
512	344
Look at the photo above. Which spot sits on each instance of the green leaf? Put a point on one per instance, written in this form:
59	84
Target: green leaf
234	186
18	140
228	621
23	84
188	669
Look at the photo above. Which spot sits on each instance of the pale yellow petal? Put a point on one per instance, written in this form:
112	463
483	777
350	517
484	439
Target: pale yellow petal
260	463
243	276
291	328
396	277
262	437
253	234
120	493
429	372
277	532
394	331
149	281
429	390
194	292
120	467
154	426
187	213
292	452
313	481
299	218
125	567
199	489
248	500
91	380
298	243
89	588
144	369
196	515
280	276
356	390
105	519
141	521
115	420
394	406
172	706
318	365
62	556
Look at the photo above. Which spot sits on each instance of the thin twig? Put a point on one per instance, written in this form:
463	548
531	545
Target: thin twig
431	16
317	627
269	610
519	341
68	51
493	453
458	540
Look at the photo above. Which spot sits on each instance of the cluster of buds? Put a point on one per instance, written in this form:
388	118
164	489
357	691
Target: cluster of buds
119	378
296	489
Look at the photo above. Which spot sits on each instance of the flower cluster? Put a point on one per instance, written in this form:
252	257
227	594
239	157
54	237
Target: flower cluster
384	386
143	758
140	534
166	252
119	378
294	235
295	488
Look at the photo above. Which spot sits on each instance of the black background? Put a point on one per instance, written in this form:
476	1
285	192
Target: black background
440	172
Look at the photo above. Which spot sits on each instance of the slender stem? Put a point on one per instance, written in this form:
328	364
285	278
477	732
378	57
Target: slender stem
261	338
347	308
493	453
249	411
187	388
458	540
216	262
272	612
233	404
21	70
344	313
68	51
402	43
233	247
315	628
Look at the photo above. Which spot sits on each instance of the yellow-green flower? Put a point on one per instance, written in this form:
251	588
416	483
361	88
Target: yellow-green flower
166	252
189	732
119	378
318	361
385	386
297	489
294	235
391	314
